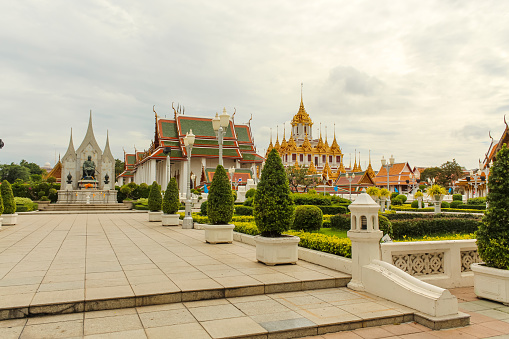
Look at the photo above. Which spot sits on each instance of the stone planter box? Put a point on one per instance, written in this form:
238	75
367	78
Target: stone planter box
491	283
155	216
9	219
219	234
280	250
170	219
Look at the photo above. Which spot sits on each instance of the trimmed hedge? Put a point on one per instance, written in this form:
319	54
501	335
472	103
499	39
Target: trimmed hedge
220	198
308	218
445	204
455	203
472	207
203	208
246	228
311	199
324	243
243	210
7	198
433	226
385	225
333	209
171	201
477	201
457	197
250	193
408	216
340	222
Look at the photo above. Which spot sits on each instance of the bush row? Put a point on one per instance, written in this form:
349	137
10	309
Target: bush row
324	243
408	216
433	226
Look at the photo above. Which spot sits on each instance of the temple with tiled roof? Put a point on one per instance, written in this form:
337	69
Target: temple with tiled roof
399	173
151	164
314	153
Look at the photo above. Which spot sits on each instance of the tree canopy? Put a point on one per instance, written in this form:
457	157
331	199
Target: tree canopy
443	175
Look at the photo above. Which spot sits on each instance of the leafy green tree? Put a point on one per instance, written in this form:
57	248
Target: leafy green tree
12	172
443	175
8	198
273	207
32	167
154	198
119	167
493	233
298	177
171	202
220	198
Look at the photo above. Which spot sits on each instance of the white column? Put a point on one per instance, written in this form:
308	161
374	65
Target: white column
153	170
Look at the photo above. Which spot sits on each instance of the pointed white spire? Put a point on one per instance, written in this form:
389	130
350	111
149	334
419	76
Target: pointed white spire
70	148
89	138
107	151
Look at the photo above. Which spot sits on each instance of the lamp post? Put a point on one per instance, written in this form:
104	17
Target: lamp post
188	143
350	178
231	170
220	125
475	176
388	166
167	151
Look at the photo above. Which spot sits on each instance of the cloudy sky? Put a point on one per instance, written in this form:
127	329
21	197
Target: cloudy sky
423	80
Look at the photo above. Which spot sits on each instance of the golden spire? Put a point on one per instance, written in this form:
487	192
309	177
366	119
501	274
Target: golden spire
312	168
284	144
369	170
276	145
341	168
327	171
292	145
334	146
306	145
359	168
270	145
301	117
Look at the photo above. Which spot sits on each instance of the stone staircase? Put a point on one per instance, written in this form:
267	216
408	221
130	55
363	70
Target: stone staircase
83	207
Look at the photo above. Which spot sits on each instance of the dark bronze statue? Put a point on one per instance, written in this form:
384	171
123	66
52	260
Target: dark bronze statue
88	168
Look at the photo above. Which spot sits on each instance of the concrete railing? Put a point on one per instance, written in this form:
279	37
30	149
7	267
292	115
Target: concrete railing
442	263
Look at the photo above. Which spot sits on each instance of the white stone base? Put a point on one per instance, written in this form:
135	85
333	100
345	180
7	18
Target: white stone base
155	216
170	219
491	283
90	196
217	234
387	281
280	250
10	219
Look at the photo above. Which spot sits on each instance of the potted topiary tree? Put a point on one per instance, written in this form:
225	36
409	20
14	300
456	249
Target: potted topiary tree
384	195
219	209
171	204
491	279
9	213
374	193
154	203
418	195
274	214
436	193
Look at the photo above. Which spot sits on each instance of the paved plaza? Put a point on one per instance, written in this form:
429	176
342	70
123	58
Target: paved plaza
117	275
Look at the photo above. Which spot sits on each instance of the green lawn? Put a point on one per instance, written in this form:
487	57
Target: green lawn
330	231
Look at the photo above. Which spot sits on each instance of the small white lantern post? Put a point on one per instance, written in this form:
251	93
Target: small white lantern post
365	236
350	178
188	143
231	170
388	166
220	124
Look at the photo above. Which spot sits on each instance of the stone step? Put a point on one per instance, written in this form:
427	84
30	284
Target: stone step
81	207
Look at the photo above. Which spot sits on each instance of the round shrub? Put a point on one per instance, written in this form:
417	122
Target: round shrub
456	203
250	193
273	206
8	198
220	198
399	200
477	201
493	233
394	195
248	202
171	201
44	198
53	195
457	197
203	208
41	194
308	218
312	191
385	225
445	204
154	198
415	204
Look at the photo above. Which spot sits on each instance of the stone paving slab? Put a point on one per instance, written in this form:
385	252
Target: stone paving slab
279	315
67	263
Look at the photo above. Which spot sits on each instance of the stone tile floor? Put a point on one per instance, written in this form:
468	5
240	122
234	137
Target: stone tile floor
67	257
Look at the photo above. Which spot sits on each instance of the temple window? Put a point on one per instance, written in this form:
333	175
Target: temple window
305	130
294	157
301	158
324	158
309	157
330	158
316	161
297	130
338	159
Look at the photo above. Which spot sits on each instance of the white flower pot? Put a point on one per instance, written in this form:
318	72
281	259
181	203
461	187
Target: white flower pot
217	234
155	216
280	250
9	219
170	219
491	283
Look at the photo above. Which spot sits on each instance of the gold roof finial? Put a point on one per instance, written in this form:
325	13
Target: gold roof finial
301	86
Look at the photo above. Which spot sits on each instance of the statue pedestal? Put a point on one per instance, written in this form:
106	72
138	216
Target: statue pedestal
88	184
95	196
